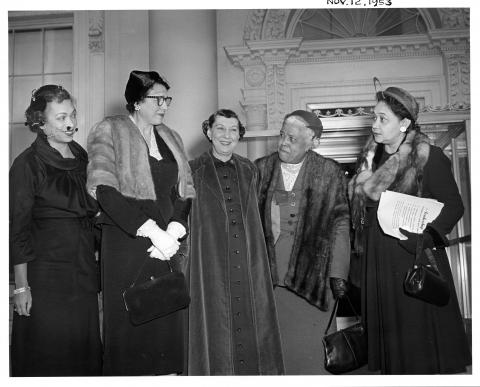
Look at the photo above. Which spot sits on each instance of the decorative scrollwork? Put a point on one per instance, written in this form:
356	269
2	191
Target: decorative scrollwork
344	112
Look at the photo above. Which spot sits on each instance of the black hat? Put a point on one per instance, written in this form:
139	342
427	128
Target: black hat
313	122
139	82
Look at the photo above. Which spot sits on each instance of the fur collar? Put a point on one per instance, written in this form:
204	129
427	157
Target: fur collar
402	172
118	157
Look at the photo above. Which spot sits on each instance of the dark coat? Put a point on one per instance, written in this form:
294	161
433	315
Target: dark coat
210	317
324	205
406	335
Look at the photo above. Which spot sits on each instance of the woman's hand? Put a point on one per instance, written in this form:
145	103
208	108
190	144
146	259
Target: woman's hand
410	244
161	240
22	303
156	253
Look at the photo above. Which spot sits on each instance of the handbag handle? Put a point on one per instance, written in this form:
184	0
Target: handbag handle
334	312
143	265
428	252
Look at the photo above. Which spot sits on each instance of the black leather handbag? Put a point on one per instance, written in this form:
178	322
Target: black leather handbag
156	297
345	350
424	281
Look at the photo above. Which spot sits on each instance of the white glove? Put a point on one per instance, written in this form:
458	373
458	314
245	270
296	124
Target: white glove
156	253
162	240
176	229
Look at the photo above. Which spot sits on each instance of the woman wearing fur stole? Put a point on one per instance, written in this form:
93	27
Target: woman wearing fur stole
405	335
140	176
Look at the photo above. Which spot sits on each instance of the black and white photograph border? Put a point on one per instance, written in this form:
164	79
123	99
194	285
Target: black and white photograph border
263	60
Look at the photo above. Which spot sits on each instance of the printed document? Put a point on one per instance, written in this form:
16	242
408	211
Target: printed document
397	210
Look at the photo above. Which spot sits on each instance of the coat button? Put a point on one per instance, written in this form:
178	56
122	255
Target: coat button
237	251
235	235
234	221
292	215
231	210
227	188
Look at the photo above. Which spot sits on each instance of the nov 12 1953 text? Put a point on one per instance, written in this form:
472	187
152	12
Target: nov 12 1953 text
360	3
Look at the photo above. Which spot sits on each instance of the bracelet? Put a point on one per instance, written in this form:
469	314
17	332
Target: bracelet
21	290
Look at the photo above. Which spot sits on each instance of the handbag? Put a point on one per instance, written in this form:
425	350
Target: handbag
346	349
424	281
157	297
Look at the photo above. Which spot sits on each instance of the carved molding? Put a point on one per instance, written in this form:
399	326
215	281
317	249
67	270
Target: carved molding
455	18
275	95
253	27
255	116
255	76
275	24
96	24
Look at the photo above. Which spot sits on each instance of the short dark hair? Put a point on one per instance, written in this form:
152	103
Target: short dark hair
35	113
227	113
138	85
397	108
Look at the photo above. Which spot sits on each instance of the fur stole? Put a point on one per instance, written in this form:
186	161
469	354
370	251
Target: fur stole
402	172
118	157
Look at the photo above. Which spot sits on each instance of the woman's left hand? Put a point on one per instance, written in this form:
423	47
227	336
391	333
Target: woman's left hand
156	253
410	244
22	303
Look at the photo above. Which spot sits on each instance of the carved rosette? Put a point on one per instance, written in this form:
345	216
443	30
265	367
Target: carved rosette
255	76
96	24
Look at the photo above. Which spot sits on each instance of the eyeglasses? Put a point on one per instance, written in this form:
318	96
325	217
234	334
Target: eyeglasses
161	99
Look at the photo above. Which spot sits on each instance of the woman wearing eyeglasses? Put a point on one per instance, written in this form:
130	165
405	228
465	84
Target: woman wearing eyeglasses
140	176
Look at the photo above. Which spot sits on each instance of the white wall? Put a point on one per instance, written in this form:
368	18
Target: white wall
230	25
183	49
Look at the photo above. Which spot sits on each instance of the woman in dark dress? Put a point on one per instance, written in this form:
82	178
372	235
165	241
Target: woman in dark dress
233	328
405	335
55	328
140	176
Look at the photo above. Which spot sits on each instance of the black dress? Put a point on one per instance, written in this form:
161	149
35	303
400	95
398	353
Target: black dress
406	335
156	347
51	231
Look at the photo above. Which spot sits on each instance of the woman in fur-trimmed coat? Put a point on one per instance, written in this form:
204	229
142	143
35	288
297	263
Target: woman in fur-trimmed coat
405	335
140	176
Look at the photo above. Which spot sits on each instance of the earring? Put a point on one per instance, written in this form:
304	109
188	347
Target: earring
137	108
403	129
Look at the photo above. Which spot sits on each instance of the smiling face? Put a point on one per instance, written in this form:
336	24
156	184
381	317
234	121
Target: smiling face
295	141
149	112
224	135
60	121
386	126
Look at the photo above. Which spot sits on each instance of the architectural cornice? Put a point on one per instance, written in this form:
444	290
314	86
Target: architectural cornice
358	49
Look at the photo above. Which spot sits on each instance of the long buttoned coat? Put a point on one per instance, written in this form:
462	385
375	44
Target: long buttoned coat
210	346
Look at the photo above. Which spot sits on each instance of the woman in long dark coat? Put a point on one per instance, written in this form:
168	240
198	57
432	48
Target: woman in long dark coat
55	328
140	176
233	328
405	335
